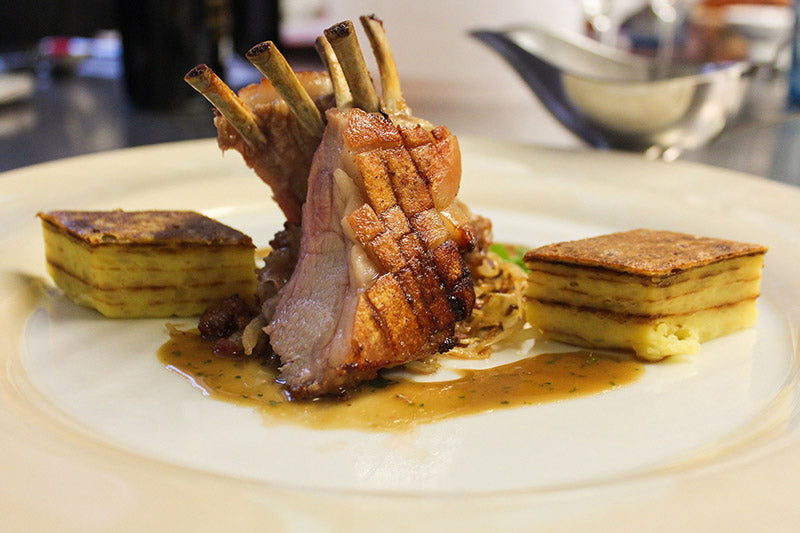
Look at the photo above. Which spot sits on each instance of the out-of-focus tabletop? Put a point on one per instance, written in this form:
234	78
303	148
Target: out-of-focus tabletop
75	115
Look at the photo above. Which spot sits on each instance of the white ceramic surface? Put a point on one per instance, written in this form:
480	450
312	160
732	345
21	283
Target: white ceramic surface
96	435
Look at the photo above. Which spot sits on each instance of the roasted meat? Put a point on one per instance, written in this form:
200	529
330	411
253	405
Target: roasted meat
380	278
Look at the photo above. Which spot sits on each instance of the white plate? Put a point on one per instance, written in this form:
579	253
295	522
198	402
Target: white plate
96	434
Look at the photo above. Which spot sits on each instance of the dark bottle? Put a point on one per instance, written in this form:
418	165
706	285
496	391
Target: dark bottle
161	41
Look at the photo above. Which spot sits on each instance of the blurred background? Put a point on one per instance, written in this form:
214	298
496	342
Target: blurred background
81	76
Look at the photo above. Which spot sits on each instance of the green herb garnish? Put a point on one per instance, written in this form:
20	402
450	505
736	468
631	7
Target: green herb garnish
510	253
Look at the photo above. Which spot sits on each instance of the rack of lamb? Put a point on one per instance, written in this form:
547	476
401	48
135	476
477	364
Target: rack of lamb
369	271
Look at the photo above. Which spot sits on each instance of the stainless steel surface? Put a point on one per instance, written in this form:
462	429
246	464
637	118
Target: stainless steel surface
88	109
612	99
768	148
765	139
80	115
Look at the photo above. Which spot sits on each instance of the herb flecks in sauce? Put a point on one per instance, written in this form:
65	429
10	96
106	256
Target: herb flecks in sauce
384	404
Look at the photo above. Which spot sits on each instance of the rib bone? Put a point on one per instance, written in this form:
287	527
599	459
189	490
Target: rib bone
270	62
341	91
393	101
203	79
343	40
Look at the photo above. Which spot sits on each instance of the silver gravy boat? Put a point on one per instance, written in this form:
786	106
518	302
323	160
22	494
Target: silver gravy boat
613	99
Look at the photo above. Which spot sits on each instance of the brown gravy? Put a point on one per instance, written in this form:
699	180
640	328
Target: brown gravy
383	405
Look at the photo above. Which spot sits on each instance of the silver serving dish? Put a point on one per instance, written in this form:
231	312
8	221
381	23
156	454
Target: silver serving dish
612	99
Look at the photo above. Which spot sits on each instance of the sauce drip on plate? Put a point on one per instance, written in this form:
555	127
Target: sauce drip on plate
383	404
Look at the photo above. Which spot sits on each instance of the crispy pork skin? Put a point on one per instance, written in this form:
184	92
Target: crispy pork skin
283	162
380	279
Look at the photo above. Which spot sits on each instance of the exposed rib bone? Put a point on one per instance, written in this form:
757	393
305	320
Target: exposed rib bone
344	42
270	62
393	101
341	91
203	79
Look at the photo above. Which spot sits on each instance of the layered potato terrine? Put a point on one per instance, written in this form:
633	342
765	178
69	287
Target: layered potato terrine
147	263
658	293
